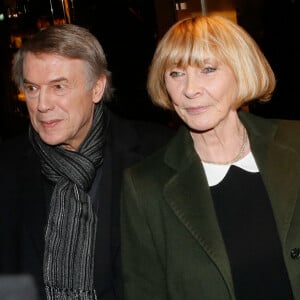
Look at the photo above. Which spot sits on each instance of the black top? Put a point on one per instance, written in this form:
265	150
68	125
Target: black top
249	231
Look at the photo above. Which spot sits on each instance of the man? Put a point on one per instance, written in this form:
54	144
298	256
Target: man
59	208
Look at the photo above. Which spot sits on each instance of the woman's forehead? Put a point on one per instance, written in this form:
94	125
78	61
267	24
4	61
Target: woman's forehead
192	60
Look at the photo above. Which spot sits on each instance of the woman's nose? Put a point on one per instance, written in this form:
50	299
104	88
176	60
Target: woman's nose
193	87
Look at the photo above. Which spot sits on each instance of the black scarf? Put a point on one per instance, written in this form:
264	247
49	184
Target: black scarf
71	228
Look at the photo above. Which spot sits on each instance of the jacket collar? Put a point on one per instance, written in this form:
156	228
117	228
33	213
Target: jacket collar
183	191
278	163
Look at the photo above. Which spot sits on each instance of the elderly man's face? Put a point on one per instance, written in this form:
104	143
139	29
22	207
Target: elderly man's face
58	98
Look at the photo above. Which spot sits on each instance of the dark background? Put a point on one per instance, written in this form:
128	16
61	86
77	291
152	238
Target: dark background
275	24
129	30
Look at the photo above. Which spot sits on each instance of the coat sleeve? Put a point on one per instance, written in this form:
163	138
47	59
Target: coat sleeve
142	269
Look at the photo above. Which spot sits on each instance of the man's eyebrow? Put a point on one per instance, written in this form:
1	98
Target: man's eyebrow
60	79
27	81
56	80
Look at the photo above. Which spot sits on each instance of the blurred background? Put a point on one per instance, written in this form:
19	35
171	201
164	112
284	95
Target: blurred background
129	31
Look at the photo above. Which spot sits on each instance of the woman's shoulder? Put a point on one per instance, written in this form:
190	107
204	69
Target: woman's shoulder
288	125
285	131
289	132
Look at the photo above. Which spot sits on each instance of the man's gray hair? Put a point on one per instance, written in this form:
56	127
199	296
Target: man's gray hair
70	41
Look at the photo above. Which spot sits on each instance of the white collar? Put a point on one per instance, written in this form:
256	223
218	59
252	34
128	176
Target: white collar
215	173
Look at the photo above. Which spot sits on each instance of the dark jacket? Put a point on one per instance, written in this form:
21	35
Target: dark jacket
23	205
172	247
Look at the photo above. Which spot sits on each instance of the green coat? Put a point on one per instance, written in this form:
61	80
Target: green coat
172	247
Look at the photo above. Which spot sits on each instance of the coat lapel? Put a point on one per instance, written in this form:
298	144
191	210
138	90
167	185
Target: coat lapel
183	191
278	164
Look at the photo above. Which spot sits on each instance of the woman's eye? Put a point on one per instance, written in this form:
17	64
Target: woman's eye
208	70
176	73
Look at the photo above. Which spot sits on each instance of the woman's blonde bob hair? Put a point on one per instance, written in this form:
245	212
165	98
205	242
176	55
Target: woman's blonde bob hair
191	41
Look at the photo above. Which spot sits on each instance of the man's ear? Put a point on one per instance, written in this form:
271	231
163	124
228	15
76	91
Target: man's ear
98	89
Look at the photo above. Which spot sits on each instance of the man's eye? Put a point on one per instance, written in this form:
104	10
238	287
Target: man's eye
31	91
30	88
58	87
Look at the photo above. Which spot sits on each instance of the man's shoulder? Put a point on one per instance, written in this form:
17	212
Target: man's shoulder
14	147
139	125
148	135
12	143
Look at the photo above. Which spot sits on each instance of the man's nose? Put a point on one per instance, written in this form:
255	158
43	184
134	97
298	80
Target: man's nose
44	101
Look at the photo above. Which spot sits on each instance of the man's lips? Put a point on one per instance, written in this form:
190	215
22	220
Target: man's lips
50	123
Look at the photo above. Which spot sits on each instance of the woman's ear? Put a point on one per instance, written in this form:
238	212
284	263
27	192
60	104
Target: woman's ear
98	89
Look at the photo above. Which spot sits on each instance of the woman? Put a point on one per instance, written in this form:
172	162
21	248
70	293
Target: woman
216	213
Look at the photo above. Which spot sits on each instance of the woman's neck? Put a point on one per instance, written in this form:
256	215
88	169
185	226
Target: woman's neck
224	146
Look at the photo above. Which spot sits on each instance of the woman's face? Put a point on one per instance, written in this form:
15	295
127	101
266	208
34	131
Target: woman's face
202	97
